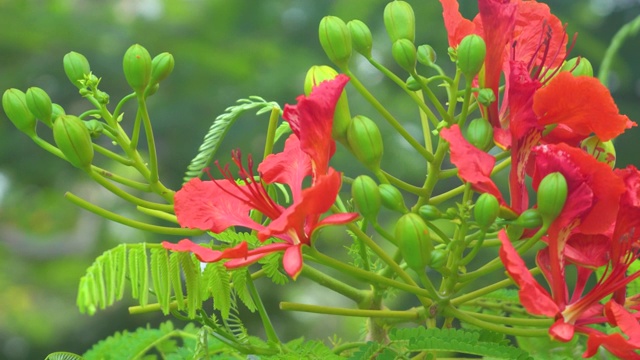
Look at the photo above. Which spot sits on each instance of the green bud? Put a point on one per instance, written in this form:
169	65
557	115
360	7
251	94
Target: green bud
430	212
438	258
603	151
342	114
414	85
136	64
486	97
506	213
404	53
39	104
365	141
366	196
95	128
161	67
578	66
361	37
471	53
514	232
76	66
15	106
412	237
480	134
73	139
426	55
392	198
486	210
56	110
529	219
335	39
400	21
552	194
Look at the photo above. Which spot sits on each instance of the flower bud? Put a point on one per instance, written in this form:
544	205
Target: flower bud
438	258
39	104
392	198
578	66
335	39
404	53
430	212
136	64
361	37
413	84
486	210
529	219
15	106
342	115
366	196
76	66
95	128
412	238
486	97
161	67
56	110
514	232
471	53
400	21
426	55
603	151
480	134
365	141
73	139
552	194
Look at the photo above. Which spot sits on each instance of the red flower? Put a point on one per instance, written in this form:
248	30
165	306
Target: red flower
219	204
597	226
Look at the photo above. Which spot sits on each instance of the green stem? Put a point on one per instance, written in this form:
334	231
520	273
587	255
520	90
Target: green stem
402	185
158	214
318	309
367	276
481	292
124	100
347	346
628	30
387	116
272	336
508	320
469	318
271	132
129	222
357	295
126	196
121	180
111	155
151	144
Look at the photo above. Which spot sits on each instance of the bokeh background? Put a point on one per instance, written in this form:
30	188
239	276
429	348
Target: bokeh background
224	50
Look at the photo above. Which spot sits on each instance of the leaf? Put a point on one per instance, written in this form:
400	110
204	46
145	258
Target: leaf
239	278
192	278
176	282
160	278
219	129
217	280
271	265
63	356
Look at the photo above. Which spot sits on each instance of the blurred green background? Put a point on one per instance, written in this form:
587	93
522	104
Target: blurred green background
224	50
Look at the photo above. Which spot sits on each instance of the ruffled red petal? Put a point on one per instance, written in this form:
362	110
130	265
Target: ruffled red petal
589	109
312	120
474	165
206	254
457	26
289	167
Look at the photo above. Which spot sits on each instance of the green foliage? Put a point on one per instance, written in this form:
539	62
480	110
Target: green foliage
134	345
404	342
300	349
219	129
63	356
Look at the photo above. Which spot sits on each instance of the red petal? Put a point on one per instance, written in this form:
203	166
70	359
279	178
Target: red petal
474	165
254	255
532	296
498	20
562	331
619	316
615	343
589	109
292	261
289	167
209	205
312	120
205	254
302	216
591	251
457	26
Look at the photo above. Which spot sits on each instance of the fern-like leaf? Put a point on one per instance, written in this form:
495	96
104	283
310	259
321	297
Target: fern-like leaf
176	280
219	129
192	278
239	278
63	356
216	279
160	278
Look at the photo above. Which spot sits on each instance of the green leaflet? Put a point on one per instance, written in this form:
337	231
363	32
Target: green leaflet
216	279
63	356
407	341
219	129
